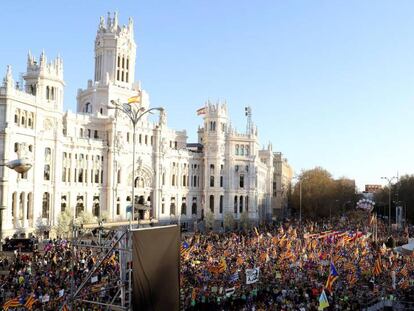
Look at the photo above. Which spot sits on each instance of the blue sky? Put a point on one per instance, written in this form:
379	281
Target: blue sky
331	83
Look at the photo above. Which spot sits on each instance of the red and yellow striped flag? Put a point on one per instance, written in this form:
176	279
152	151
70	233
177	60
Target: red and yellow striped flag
134	99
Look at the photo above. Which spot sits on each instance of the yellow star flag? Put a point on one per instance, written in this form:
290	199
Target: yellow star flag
323	301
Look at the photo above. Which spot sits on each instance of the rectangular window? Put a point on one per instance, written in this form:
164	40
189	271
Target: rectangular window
221	181
64	174
241	181
95	134
221	204
211	181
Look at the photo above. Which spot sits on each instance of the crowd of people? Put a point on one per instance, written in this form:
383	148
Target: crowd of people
271	267
43	280
294	263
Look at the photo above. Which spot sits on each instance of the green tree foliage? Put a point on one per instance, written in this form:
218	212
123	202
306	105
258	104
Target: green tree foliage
321	194
402	193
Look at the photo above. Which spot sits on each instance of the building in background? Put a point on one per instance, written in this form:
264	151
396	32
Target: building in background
281	187
372	188
83	160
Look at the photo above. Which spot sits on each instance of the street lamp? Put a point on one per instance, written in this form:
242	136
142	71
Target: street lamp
134	111
300	199
389	198
20	166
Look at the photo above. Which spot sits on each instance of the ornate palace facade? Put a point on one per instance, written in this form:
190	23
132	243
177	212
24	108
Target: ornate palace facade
83	161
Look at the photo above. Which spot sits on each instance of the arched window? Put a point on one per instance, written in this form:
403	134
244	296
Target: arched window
235	204
46	172
23	119
163	179
30	120
211	181
221	204
242	150
81	132
47	92
88	108
17	116
194	206
29	205
172	206
237	149
79	205
241	204
96	206
183	207
52	93
241	181
118	206
80	175
119	176
173	180
21	206
212	203
247	150
14	205
247	203
195	181
45	205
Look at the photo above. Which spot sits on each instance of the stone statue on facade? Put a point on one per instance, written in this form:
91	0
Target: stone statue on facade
163	118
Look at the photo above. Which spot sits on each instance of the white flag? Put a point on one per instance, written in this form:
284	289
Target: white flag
252	275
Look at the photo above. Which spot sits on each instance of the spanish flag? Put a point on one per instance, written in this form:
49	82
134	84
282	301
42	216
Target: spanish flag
201	111
134	99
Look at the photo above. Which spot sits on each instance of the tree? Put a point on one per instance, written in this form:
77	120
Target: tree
228	221
64	225
244	220
209	219
40	227
321	194
85	218
402	193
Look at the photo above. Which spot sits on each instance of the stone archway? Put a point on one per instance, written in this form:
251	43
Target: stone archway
143	183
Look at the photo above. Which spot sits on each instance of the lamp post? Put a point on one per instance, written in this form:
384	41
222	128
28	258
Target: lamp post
134	111
20	166
389	180
300	199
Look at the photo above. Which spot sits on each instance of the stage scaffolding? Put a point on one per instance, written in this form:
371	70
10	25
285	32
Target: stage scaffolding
105	242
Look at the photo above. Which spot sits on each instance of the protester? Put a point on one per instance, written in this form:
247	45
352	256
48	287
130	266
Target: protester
294	267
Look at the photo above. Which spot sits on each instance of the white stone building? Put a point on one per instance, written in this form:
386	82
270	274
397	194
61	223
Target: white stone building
83	161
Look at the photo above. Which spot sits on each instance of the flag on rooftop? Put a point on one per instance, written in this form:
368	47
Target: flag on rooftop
134	99
201	111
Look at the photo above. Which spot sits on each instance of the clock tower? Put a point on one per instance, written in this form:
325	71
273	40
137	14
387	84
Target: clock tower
115	51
